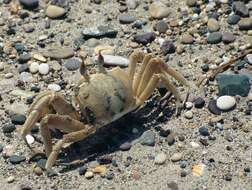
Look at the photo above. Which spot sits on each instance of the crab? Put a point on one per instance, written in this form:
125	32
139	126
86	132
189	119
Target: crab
100	99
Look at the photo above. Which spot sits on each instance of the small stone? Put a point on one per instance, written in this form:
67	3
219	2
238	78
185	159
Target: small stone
168	47
72	64
187	39
43	69
110	175
148	138
100	169
225	103
59	52
41	163
39	57
228	37
161	26
89	175
233	19
38	171
125	146
8	128
204	131
18	119
10	179
8	151
183	173
30	139
34	67
159	10
214	38
144	38
8	75
198	169
23	68
213	25
160	158
173	186
54	87
23	58
53	11
188	105
247	169
245	24
29	4
228	177
171	139
240	8
16	159
188	114
126	18
1	66
176	157
112	60
99	32
164	132
194	144
199	103
191	3
132	4
83	170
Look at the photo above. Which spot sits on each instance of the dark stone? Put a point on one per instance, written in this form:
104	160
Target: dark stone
114	163
29	100
168	47
148	138
144	38
23	58
164	132
204	142
110	175
228	37
240	8
183	173
233	19
138	24
205	67
173	186
106	159
99	32
16	159
23	68
204	131
228	177
233	84
171	139
199	102
212	107
240	64
35	88
8	128
214	38
72	64
23	14
161	26
247	169
245	24
126	18
82	170
20	48
18	119
125	146
29	4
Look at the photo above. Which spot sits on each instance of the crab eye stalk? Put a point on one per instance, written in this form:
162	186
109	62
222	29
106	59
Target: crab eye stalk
100	63
83	70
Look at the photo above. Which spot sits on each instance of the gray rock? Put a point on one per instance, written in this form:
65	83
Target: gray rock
145	38
125	146
59	52
18	119
161	26
171	139
214	38
191	3
167	47
132	4
233	19
29	4
99	32
233	84
16	159
213	25
126	18
148	138
8	128
228	37
160	158
213	108
245	24
159	10
240	8
72	64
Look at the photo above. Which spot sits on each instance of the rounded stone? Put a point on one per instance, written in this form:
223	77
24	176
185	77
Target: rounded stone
228	37
167	47
249	58
176	157
83	170
199	102
161	26
53	11
89	175
214	38
8	128
226	103
72	64
159	10
8	75
16	159
160	158
204	131
233	19
43	69
189	114
34	67
148	138
132	4
213	25
187	39
30	139
125	146
54	87
245	24
29	4
212	107
191	3
170	139
126	18
188	105
18	119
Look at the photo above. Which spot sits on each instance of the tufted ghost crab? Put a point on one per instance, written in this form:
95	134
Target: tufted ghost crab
101	99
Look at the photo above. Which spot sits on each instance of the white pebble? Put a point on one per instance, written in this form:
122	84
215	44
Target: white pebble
115	60
249	58
188	114
8	75
188	105
10	179
43	68
176	157
54	87
194	144
225	103
34	67
160	158
29	138
25	77
89	174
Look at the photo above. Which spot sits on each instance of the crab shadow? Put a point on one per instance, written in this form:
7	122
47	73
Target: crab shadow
108	139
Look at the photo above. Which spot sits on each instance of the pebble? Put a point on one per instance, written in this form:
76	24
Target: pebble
199	103
38	171
204	131
8	75
99	32
54	87
23	58
213	25
125	146
214	38
10	179
161	26
59	52
164	132
245	24
34	67
176	157
212	107
233	19
89	175
187	39
144	38
104	49
159	10
188	105
8	151
1	66
83	170
23	68
240	8
160	158
18	119
39	57
132	4
225	103
30	139
170	139
249	58
53	11
188	114
167	47
191	3
148	138
43	69
8	128
228	37
126	18
16	159
29	4
112	60
194	144
72	64
110	175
